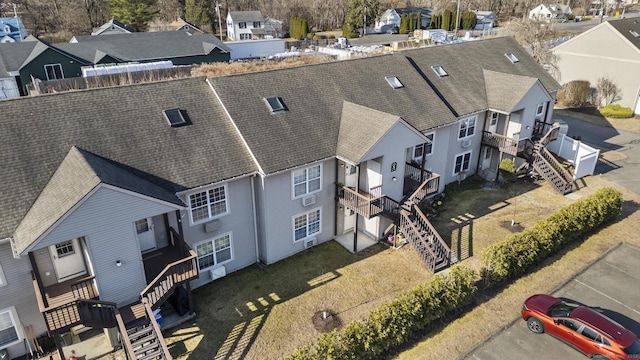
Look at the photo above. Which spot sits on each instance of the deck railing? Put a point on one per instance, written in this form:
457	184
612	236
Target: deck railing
362	204
424	238
508	145
176	273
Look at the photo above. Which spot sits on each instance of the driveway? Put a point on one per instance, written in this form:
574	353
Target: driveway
611	283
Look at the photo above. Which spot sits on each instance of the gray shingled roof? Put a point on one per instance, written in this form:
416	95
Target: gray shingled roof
503	98
146	46
79	173
360	129
246	16
625	26
124	124
13	55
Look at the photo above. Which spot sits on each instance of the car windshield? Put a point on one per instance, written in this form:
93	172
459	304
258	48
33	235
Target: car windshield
634	349
561	309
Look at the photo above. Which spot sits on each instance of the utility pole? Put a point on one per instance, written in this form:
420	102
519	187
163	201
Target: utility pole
219	20
364	25
457	20
18	21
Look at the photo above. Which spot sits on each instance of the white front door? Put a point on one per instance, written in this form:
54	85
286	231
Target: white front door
68	261
493	122
486	157
146	237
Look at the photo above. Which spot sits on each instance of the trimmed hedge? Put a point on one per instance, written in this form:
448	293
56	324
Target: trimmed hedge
510	258
395	322
616	111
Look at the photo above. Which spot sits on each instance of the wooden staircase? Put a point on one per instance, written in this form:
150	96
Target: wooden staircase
140	334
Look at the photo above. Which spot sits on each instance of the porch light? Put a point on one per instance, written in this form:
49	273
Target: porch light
118	263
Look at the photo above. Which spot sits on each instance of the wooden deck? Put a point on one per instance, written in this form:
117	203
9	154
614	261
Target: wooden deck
70	290
155	261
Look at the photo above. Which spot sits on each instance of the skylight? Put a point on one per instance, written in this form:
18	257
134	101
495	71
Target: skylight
439	70
394	82
275	104
174	117
634	33
512	57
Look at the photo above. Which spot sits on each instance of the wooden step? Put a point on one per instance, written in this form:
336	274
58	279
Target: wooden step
147	339
157	354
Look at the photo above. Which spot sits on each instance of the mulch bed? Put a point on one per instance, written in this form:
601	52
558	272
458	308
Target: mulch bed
326	320
515	228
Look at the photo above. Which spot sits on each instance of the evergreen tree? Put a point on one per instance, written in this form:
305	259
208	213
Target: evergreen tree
468	20
447	17
198	12
356	10
135	13
404	24
419	20
298	28
411	24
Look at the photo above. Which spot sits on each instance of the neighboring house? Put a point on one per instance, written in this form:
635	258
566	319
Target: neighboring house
12	30
177	25
245	25
485	19
34	58
579	59
547	12
149	190
111	27
274	28
394	16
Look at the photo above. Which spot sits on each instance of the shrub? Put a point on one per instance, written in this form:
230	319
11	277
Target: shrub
576	93
393	323
331	36
515	255
616	111
507	169
317	37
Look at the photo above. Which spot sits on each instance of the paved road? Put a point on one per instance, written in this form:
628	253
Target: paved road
624	169
611	284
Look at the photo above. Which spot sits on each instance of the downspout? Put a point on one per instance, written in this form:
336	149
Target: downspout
255	217
337	204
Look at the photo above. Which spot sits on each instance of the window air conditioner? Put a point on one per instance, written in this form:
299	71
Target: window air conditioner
217	273
466	143
308	200
310	242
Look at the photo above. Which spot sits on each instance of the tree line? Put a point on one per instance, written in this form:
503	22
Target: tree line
78	17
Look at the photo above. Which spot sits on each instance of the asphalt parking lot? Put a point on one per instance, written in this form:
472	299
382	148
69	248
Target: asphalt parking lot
611	284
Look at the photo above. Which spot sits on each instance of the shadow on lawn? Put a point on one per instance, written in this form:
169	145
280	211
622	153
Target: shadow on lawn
231	311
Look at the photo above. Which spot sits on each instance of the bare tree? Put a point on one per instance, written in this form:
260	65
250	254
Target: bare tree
535	37
607	92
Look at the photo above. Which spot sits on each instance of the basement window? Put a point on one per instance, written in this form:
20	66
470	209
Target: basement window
174	117
512	57
439	70
275	104
394	82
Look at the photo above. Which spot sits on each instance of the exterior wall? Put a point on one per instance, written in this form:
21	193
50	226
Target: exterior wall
213	56
614	58
278	207
238	221
19	293
526	113
106	221
35	68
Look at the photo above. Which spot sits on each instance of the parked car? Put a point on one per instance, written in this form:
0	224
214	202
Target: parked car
389	29
581	327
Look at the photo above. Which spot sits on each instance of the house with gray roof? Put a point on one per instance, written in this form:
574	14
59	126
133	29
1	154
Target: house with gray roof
124	197
578	59
392	17
39	60
111	27
245	25
12	29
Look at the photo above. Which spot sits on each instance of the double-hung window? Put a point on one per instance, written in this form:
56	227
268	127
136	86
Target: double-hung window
8	327
306	225
242	25
423	149
539	110
494	119
307	180
462	163
467	127
214	252
208	204
54	71
3	279
245	36
256	24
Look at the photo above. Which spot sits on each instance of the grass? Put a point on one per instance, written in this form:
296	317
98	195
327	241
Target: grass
266	313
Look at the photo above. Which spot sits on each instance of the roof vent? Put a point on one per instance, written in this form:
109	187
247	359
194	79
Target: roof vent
275	104
439	70
174	117
394	82
511	57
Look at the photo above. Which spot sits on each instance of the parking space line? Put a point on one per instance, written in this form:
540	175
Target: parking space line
607	296
622	271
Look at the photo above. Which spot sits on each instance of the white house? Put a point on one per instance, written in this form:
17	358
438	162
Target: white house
394	16
245	25
547	12
485	19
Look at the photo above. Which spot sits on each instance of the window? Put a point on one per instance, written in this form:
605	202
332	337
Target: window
174	117
142	226
245	36
467	127
423	149
8	328
3	279
208	204
494	119
306	181
275	104
591	335
573	325
242	25
394	82
53	71
512	57
256	24
65	248
539	109
7	29
214	252
306	225
462	163
439	70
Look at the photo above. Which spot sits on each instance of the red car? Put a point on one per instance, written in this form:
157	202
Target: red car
581	327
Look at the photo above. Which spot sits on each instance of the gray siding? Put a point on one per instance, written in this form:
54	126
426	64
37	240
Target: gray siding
278	209
106	221
19	292
239	221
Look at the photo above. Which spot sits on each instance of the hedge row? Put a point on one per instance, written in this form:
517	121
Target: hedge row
393	323
510	258
616	111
